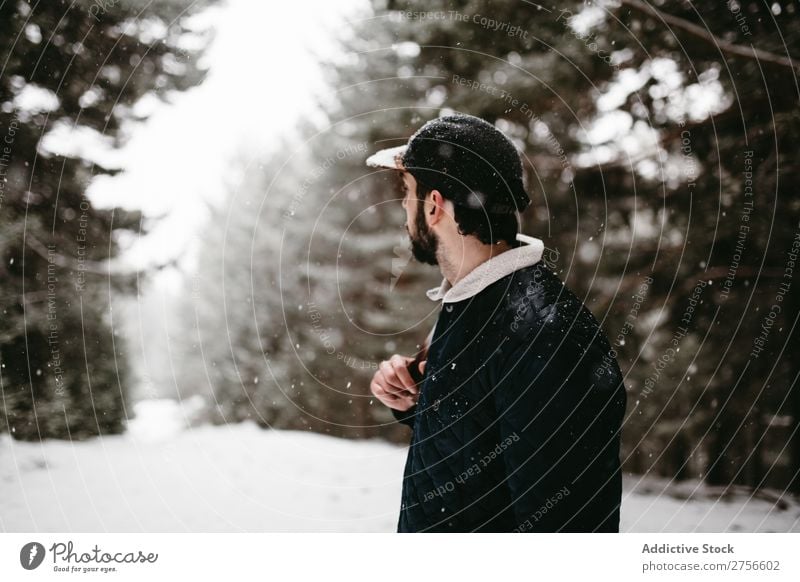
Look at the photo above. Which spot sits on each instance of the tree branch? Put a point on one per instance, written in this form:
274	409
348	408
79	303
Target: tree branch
108	268
741	51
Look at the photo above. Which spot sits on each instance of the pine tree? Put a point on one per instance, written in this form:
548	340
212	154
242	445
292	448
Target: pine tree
71	67
644	222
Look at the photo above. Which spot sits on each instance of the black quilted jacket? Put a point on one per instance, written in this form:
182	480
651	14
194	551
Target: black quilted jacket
518	419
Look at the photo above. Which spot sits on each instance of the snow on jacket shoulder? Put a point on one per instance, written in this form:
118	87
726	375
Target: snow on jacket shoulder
518	419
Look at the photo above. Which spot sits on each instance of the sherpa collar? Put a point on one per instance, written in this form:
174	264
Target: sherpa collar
490	271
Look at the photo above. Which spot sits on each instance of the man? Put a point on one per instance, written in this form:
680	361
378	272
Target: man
516	420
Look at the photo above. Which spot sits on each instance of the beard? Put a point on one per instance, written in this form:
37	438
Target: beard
424	242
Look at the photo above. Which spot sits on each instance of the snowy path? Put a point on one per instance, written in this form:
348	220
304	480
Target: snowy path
241	478
230	478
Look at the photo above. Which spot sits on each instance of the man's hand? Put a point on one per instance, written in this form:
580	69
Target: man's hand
392	383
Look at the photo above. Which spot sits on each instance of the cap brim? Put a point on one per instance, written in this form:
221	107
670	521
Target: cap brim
391	158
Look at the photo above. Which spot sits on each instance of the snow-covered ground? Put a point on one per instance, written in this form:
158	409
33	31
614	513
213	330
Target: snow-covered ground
161	477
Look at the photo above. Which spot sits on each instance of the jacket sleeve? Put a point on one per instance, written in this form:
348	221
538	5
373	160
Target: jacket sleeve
538	411
406	416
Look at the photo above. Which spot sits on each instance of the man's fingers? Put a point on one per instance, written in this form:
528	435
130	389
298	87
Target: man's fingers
385	386
400	367
391	382
375	387
381	394
384	378
397	402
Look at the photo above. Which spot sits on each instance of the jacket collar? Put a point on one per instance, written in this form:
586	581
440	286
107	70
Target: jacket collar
490	271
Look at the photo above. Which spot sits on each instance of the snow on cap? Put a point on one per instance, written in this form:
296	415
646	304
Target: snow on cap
391	158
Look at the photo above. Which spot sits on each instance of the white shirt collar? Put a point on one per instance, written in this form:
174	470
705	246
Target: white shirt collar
490	271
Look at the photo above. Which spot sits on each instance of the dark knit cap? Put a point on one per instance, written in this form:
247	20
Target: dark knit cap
468	160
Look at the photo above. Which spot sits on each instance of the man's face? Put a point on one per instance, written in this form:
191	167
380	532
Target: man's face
423	240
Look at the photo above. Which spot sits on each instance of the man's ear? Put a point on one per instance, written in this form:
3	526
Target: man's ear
436	208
